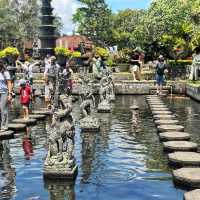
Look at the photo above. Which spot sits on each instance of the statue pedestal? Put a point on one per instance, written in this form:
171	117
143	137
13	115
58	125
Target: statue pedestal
104	107
90	124
112	97
65	170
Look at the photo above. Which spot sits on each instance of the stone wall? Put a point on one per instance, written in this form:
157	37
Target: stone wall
193	92
123	85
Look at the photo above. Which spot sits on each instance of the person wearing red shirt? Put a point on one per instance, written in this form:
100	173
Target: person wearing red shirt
25	98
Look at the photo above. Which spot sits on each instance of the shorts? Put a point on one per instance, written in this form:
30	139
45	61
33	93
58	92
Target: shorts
160	79
134	68
25	105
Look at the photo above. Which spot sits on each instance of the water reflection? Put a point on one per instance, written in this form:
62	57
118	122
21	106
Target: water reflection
7	181
60	190
27	144
88	155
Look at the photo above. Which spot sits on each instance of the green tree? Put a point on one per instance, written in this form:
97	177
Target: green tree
124	24
93	21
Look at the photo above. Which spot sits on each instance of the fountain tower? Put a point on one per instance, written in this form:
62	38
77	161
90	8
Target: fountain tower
47	34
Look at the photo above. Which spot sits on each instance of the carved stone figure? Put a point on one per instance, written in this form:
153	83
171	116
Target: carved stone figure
89	122
104	92
60	161
111	88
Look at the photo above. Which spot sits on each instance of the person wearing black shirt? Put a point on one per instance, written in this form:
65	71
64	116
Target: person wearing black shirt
161	68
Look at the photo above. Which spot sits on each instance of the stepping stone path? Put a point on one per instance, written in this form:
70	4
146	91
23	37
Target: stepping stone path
174	136
187	177
163	117
193	195
41	112
16	127
167	128
25	121
37	116
162	112
184	159
6	135
166	122
178	142
172	146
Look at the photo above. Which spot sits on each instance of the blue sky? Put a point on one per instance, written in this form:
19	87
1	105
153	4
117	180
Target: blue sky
66	8
123	4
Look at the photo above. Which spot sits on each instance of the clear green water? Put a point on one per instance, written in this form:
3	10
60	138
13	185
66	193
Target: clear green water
114	164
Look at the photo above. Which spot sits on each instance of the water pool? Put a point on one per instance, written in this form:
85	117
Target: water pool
116	163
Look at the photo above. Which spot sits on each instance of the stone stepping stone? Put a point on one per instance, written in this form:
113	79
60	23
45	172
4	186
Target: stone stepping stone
163	117
193	195
154	101
6	135
172	146
25	121
187	177
161	112
41	112
183	159
158	106
174	136
166	122
134	107
37	116
160	109
16	127
170	128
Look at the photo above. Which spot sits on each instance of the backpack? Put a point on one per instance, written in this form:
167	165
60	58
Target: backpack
160	69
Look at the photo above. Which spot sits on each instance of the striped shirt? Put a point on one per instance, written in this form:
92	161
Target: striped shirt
4	77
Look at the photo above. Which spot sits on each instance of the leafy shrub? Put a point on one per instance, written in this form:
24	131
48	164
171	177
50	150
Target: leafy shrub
9	51
76	54
62	51
102	52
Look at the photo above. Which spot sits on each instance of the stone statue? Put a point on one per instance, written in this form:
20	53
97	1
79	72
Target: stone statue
111	90
89	122
104	92
60	161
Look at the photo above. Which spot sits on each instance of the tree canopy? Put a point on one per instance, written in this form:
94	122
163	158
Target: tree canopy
165	27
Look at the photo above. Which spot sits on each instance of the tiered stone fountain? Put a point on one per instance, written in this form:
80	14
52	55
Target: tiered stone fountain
47	34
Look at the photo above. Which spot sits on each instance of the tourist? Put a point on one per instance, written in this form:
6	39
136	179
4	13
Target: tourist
50	74
25	97
96	66
5	95
68	76
135	65
161	69
195	65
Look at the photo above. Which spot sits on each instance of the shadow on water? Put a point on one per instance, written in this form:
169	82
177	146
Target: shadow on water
116	163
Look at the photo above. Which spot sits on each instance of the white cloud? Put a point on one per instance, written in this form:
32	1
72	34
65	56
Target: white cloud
65	9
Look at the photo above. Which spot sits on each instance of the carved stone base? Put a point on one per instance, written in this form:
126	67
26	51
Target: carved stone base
104	107
112	98
6	135
65	170
90	124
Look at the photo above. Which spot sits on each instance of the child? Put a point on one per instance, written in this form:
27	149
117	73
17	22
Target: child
25	98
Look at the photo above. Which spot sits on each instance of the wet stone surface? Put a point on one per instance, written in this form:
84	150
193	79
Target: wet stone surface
185	158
